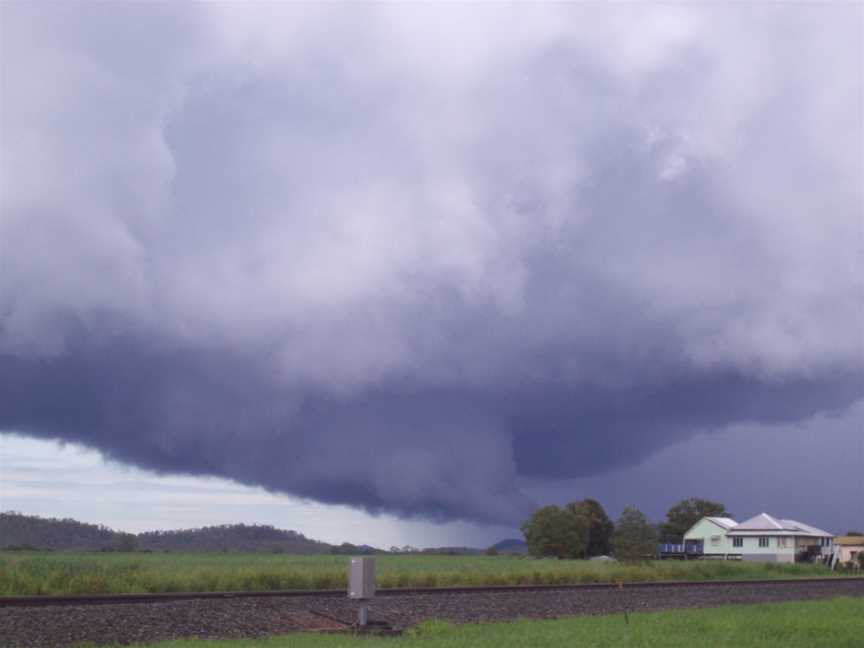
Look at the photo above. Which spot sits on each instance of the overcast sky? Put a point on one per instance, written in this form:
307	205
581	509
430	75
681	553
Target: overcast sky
432	265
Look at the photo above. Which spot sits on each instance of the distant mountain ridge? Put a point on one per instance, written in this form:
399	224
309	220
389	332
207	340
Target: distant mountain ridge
19	531
511	546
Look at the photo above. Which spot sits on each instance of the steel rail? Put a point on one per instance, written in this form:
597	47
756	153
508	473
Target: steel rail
161	597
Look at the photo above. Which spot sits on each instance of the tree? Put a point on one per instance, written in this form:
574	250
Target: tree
686	513
124	542
553	531
600	527
634	538
854	533
345	549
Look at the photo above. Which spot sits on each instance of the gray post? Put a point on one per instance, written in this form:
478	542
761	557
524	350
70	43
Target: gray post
361	585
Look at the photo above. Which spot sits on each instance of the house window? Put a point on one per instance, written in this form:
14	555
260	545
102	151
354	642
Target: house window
781	542
737	542
715	541
763	541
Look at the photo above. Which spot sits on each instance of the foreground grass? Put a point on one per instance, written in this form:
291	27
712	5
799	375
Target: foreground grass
836	623
45	573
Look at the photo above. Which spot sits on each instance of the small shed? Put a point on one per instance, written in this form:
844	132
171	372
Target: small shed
849	547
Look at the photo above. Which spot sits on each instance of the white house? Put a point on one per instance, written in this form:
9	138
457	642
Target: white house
763	538
771	539
709	533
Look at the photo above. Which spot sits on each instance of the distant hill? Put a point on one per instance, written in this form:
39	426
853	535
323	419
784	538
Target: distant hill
511	546
18	531
232	537
451	551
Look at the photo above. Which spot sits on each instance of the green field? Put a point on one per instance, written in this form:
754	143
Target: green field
836	623
46	573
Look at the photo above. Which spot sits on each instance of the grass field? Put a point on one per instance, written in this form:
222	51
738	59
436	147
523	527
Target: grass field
836	623
38	573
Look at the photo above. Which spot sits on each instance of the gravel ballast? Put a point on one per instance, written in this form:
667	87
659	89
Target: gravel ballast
67	626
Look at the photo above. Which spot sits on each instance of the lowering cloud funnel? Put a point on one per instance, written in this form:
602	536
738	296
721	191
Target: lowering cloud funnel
318	250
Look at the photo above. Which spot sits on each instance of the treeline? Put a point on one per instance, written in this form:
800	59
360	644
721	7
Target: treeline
581	529
19	531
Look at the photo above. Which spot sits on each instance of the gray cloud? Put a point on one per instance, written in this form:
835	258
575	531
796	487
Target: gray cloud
397	259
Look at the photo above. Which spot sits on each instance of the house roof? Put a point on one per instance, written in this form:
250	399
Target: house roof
761	522
806	527
723	522
765	524
849	541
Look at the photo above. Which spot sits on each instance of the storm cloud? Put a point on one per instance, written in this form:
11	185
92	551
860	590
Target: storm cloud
399	257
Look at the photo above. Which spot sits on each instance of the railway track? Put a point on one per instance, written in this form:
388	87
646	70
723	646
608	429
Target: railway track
113	599
64	622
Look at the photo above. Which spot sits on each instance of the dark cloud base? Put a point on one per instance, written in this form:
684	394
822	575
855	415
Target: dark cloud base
400	449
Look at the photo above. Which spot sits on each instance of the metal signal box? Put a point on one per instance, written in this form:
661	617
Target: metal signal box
361	578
